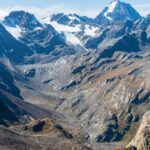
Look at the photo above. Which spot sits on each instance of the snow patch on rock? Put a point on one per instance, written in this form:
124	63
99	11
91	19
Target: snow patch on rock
14	31
111	8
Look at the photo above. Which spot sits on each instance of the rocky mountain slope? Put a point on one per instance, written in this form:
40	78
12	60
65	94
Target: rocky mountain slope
13	109
141	141
142	138
116	86
44	134
13	47
19	128
90	77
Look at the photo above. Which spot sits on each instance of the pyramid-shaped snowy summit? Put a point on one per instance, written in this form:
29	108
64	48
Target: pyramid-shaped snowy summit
117	11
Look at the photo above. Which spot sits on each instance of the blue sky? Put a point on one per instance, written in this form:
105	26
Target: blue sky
83	7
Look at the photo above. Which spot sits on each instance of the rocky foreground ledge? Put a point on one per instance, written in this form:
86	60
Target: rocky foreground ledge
43	134
141	141
47	134
142	138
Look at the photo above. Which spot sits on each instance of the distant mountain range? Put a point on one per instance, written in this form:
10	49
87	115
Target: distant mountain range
61	34
115	11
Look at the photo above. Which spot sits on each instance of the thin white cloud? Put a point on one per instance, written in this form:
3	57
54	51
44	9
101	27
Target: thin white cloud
144	12
142	5
144	9
43	12
47	11
39	12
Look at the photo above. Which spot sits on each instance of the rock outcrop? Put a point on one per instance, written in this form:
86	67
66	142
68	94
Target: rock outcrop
142	139
43	134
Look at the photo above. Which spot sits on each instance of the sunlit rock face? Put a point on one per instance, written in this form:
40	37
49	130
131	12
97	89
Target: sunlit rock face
142	137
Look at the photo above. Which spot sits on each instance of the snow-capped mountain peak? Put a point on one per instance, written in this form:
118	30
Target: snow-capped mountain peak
117	11
18	21
22	19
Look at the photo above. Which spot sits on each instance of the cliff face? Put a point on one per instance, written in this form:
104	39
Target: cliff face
142	138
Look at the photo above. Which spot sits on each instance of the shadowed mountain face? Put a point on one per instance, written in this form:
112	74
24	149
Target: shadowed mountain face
88	77
121	36
22	19
13	49
33	33
13	109
37	38
7	81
